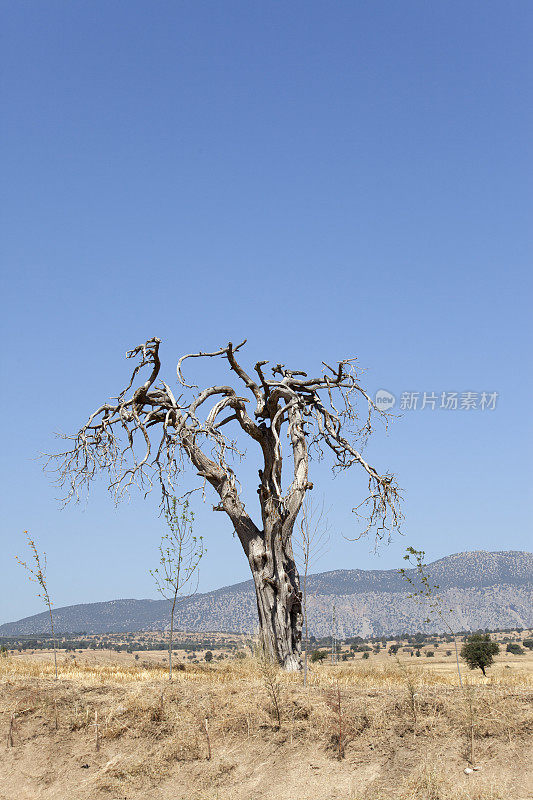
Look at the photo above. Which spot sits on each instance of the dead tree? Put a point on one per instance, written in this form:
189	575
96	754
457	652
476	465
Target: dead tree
149	433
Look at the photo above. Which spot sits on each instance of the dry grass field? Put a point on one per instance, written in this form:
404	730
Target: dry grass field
364	730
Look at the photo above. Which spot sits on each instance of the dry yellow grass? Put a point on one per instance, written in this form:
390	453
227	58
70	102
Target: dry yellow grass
405	732
383	673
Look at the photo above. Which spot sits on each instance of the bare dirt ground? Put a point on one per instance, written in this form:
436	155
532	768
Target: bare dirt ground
113	729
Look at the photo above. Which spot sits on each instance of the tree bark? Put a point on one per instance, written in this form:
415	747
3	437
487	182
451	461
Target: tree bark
279	599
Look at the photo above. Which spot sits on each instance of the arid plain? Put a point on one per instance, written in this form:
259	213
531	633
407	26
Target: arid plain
112	726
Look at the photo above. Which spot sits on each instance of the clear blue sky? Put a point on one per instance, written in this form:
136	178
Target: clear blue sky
326	179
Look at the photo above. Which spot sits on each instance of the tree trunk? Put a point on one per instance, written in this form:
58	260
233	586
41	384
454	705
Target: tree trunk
170	639
279	599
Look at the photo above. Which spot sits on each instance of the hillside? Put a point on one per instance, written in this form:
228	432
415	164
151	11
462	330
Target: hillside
485	590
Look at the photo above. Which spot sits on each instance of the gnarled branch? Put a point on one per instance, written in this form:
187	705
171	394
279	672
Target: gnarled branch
317	413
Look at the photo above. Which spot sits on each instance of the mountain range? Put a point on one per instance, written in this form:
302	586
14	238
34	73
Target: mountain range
478	590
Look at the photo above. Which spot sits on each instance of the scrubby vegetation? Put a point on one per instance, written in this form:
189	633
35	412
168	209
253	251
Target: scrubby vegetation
515	649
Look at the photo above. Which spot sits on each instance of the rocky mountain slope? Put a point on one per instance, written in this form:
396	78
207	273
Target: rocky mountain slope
485	590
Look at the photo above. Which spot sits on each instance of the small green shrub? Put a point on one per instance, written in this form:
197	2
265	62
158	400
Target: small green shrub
318	656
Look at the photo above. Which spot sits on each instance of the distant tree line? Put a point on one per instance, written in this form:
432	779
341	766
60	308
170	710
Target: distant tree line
70	644
142	641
